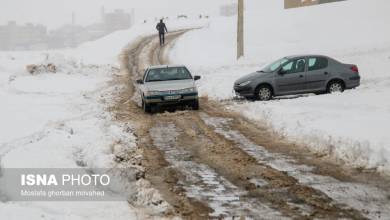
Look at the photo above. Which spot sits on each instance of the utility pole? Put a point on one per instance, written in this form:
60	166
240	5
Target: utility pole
240	30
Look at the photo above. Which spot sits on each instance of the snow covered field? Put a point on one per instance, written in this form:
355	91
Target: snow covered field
56	121
60	120
350	128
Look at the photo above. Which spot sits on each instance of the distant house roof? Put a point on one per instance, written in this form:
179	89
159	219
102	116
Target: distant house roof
302	3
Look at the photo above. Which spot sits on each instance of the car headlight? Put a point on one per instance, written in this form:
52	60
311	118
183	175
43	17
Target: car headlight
153	93
189	90
244	83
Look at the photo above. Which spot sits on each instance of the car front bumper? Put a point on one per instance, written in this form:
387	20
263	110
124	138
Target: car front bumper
245	91
166	99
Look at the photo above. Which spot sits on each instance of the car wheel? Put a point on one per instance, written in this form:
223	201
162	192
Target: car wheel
335	87
146	107
195	105
263	93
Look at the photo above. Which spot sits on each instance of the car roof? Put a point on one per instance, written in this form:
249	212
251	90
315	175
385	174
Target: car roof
305	55
165	66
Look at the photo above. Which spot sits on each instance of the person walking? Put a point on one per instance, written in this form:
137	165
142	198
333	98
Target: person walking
162	29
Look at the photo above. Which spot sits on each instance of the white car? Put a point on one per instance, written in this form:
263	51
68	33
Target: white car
168	85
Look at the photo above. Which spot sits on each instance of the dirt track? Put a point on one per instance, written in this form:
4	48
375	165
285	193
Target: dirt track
215	164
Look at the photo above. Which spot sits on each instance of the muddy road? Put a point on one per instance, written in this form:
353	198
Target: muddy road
215	164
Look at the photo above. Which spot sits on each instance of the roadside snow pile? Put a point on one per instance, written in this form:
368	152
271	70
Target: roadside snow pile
351	127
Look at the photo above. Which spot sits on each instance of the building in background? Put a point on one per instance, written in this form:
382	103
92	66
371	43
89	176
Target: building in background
36	37
302	3
28	36
116	20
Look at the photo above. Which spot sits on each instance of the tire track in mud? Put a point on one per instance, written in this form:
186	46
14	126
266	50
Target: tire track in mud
134	59
210	164
203	183
372	201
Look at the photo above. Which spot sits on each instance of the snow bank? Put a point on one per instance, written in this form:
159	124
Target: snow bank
350	127
340	28
106	50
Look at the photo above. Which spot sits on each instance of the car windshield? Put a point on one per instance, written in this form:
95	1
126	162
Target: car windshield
168	74
274	66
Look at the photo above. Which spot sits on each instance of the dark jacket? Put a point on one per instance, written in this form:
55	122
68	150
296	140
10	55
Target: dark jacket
161	28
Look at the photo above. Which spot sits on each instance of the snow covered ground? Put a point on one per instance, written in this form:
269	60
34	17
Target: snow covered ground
57	121
352	127
60	120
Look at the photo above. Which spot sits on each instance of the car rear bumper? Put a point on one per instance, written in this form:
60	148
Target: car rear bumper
164	99
353	82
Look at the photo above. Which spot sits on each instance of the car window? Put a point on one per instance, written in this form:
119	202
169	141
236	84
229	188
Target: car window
168	74
274	66
317	63
294	66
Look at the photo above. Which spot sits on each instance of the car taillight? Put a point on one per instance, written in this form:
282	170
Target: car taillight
355	69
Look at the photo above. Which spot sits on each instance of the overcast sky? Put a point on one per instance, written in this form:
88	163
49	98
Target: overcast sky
54	13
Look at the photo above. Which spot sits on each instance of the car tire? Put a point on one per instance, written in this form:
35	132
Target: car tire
263	93
335	86
146	107
195	105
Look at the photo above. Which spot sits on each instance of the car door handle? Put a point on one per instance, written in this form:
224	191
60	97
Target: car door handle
300	76
326	73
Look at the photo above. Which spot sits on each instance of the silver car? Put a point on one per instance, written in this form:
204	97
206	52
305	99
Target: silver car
168	85
298	74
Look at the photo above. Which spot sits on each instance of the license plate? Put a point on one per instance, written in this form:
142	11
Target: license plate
173	97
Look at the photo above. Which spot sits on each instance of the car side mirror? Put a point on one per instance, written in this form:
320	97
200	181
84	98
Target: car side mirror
281	72
140	81
197	78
